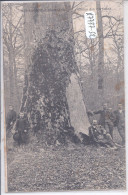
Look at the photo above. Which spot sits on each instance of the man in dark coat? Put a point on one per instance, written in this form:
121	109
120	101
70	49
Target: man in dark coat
120	122
106	119
11	118
22	125
98	135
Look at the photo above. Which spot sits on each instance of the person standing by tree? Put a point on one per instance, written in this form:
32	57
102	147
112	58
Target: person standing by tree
120	122
11	118
36	121
21	134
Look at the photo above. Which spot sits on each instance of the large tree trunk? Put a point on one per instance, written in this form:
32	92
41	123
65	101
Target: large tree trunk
50	62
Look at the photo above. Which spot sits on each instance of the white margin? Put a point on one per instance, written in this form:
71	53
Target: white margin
126	106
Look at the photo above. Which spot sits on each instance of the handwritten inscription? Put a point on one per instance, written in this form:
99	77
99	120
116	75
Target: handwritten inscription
90	25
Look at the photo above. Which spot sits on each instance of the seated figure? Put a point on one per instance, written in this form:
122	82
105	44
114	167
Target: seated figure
98	135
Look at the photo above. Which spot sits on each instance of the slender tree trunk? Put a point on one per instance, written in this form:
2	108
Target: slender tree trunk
11	79
14	91
101	51
16	87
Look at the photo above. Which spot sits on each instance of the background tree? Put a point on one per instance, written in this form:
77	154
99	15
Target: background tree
95	57
13	53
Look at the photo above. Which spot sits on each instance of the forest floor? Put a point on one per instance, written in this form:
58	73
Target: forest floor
75	167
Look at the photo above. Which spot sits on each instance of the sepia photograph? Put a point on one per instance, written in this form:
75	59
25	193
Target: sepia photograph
64	97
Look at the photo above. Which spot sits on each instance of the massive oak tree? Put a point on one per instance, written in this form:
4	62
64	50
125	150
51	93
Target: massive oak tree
50	61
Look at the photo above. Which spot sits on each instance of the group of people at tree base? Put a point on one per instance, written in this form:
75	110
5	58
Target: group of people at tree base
102	132
99	132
